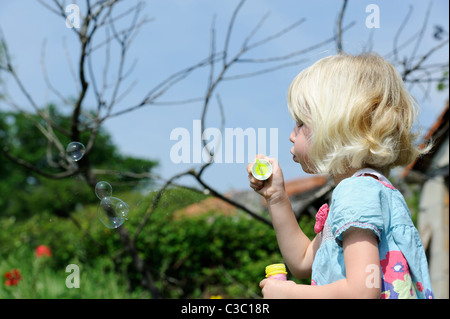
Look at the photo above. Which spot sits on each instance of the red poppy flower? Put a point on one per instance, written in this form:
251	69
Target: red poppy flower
12	277
43	251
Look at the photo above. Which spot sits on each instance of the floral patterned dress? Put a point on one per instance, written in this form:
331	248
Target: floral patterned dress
373	203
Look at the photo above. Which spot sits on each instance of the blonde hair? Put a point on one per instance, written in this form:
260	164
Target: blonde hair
359	111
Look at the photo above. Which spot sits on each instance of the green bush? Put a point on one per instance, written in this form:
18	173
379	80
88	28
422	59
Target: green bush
190	257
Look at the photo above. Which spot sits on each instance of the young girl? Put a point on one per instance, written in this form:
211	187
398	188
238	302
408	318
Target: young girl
353	121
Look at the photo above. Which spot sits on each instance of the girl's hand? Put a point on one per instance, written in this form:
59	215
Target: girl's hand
276	289
271	189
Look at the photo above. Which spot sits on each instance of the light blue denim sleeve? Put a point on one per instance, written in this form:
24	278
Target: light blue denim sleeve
357	202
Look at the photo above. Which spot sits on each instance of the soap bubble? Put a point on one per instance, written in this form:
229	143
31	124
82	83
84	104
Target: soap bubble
103	189
75	151
122	209
112	212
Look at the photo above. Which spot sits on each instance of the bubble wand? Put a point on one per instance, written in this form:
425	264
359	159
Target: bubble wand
261	169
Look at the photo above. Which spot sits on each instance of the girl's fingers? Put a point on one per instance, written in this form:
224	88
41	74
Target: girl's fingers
262	283
249	168
256	187
254	183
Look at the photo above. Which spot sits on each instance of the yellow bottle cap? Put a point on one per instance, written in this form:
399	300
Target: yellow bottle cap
275	269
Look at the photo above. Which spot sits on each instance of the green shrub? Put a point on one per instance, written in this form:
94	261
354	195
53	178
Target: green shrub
191	257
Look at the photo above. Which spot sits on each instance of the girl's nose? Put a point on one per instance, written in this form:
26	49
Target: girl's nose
292	136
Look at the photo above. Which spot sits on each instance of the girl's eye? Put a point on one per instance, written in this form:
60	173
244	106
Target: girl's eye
299	124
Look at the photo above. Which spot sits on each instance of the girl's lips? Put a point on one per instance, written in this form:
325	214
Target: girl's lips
294	158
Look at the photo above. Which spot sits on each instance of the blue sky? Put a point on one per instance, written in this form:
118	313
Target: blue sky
179	36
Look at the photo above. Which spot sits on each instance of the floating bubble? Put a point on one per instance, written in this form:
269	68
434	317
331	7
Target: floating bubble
112	212
103	189
75	151
122	209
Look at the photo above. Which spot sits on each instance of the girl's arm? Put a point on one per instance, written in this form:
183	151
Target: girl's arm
363	279
297	249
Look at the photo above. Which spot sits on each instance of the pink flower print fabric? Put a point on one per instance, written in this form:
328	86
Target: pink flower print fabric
397	281
321	218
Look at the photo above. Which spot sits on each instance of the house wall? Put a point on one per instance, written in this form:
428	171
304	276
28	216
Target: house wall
433	224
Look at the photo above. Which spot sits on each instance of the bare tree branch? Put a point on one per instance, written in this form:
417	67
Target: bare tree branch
47	79
422	59
400	29
263	71
297	52
339	27
228	200
421	32
35	169
230	28
273	36
412	67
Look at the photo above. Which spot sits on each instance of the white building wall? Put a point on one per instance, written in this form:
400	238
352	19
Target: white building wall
433	224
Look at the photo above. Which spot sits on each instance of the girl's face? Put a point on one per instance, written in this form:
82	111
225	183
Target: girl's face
300	136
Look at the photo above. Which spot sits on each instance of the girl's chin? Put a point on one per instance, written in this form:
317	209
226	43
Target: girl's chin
306	168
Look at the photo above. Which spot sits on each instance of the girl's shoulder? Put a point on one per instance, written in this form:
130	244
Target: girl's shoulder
358	195
358	185
367	195
356	202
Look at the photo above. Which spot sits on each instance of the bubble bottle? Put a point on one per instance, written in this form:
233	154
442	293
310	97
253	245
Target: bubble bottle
276	271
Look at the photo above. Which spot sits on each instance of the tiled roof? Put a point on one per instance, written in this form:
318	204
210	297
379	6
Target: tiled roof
293	187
